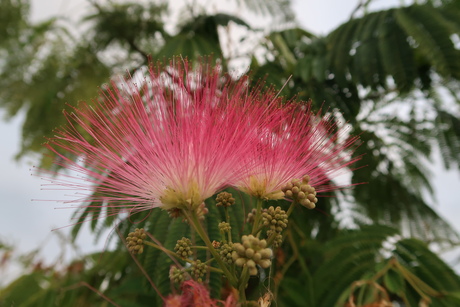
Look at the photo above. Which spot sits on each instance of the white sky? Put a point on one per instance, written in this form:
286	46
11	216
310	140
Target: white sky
27	224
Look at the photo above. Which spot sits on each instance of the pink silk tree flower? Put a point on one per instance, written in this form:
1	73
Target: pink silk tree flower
195	294
300	144
171	142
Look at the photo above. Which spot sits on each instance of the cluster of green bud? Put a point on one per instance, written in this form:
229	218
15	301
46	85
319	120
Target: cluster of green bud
225	253
301	192
251	216
224	227
251	252
198	270
183	249
225	199
176	275
276	219
278	237
135	241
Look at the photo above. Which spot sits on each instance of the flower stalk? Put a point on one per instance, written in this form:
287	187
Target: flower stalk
255	227
192	218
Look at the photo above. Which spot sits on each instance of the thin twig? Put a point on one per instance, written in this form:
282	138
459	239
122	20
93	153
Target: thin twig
85	284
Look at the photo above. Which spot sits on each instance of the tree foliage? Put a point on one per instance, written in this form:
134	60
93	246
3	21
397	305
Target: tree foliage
393	75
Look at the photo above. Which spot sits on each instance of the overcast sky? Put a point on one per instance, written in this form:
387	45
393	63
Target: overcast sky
27	224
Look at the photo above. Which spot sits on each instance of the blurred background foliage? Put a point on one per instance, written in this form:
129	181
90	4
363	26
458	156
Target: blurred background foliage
392	76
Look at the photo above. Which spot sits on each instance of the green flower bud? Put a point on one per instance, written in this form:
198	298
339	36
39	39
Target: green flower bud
224	199
250	253
135	241
183	249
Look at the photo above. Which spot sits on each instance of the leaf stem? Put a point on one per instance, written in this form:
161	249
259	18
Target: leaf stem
244	278
227	216
291	208
167	251
255	227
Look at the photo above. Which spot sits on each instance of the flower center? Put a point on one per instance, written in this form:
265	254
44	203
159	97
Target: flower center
174	198
262	188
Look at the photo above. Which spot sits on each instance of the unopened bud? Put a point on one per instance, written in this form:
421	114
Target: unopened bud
135	241
224	199
250	253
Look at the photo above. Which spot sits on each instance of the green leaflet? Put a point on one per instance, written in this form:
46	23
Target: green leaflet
448	139
160	272
339	43
396	54
394	282
426	26
349	256
366	66
427	265
190	47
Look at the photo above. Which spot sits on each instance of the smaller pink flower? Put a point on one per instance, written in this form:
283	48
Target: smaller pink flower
295	144
195	294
